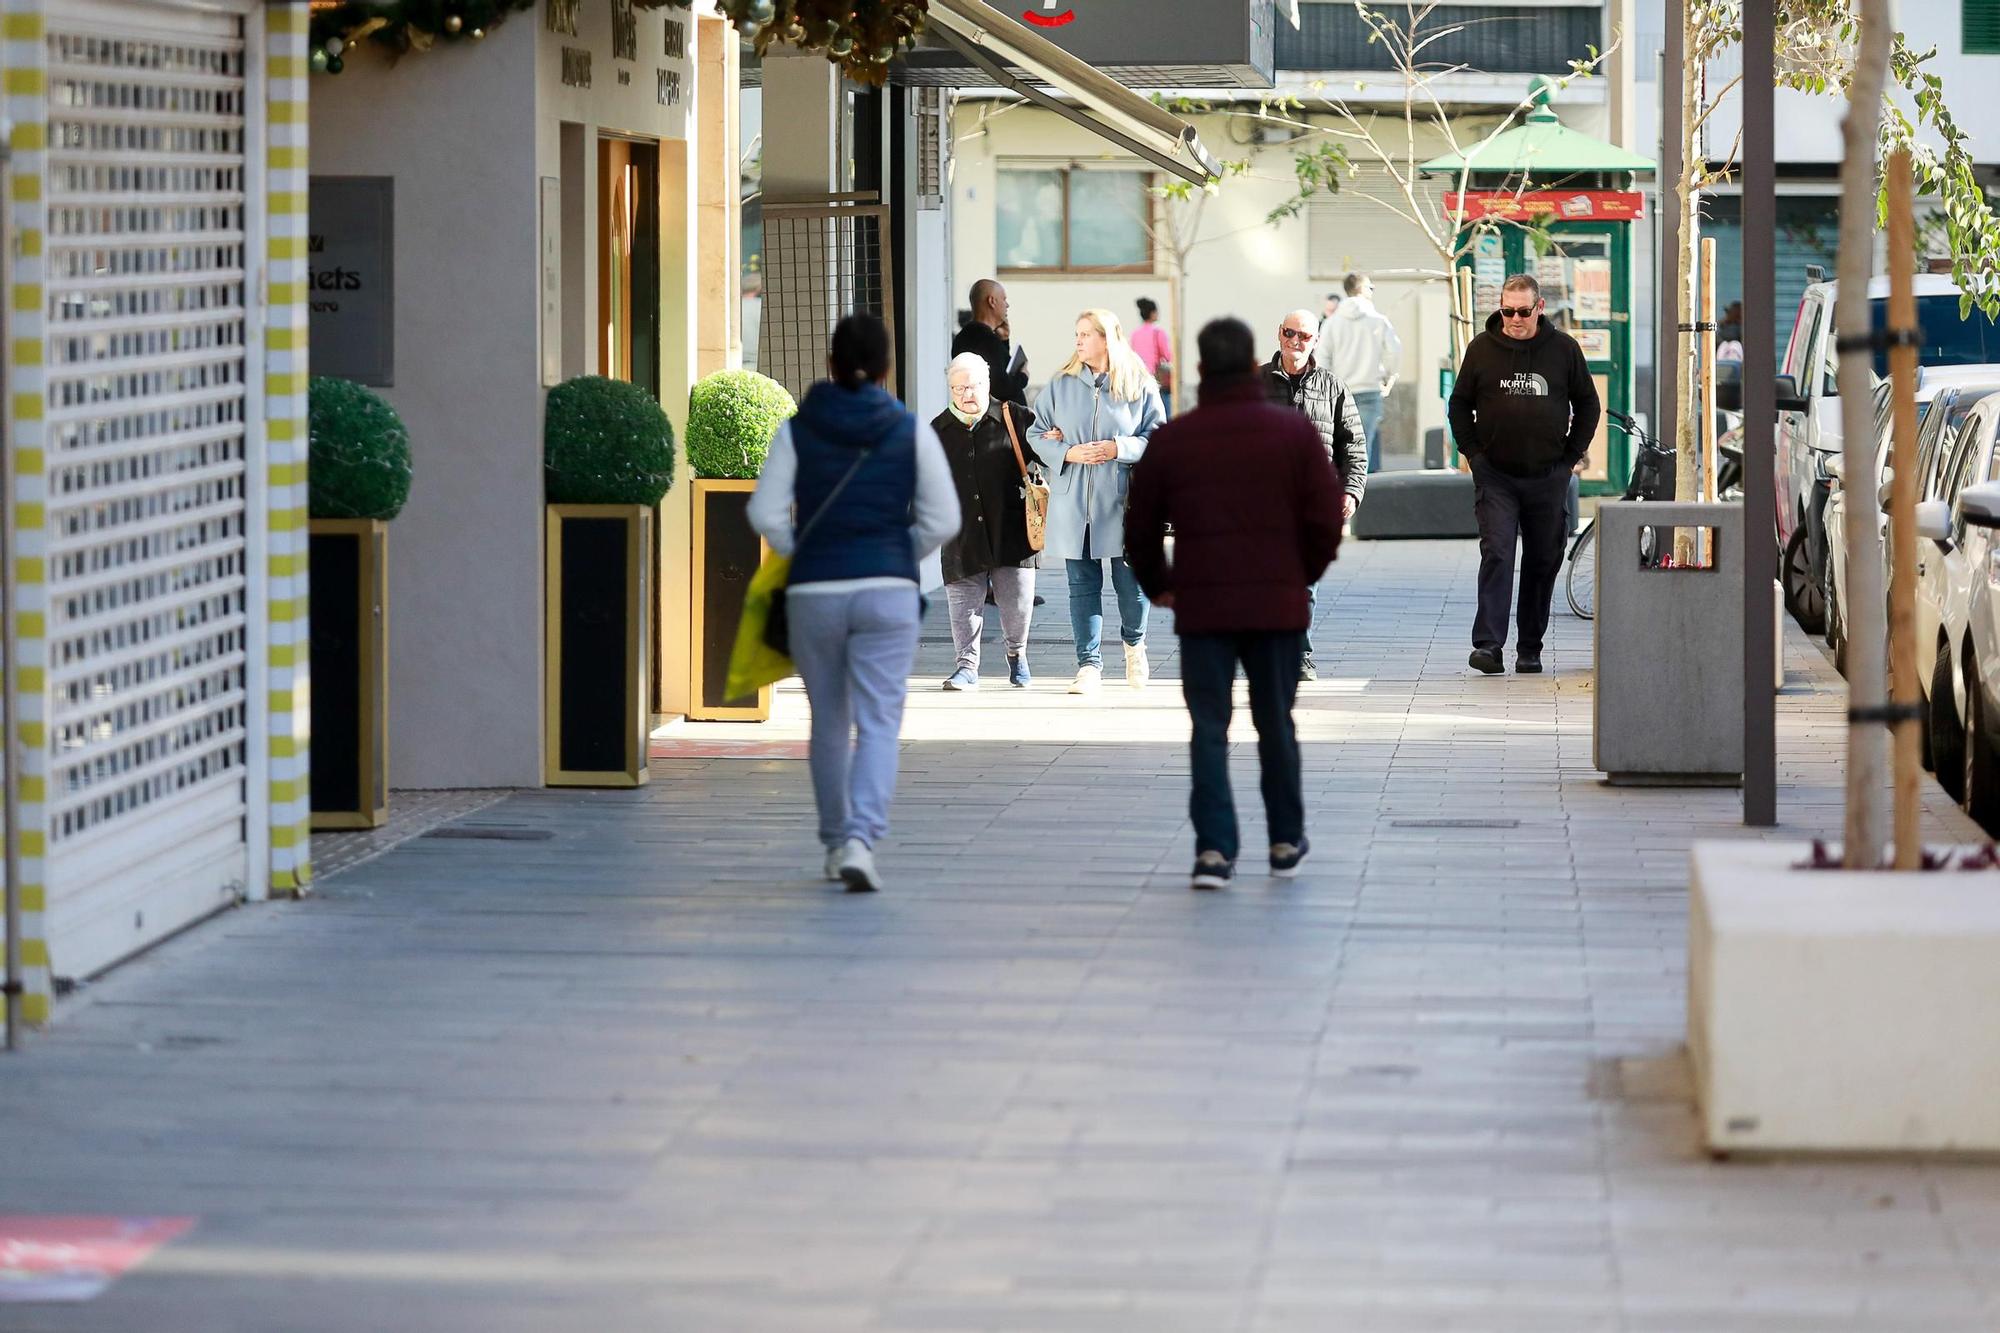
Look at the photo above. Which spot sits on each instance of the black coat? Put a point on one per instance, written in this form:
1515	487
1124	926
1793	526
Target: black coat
1330	408
990	493
983	341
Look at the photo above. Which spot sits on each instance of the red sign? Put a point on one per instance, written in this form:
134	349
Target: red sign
75	1258
1552	205
1049	19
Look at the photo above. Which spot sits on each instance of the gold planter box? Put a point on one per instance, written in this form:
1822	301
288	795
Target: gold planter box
349	563
727	552
599	600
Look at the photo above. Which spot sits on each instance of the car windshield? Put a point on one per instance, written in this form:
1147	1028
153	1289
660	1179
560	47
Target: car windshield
1948	340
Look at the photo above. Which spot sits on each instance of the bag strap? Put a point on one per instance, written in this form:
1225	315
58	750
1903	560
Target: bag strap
798	542
1007	417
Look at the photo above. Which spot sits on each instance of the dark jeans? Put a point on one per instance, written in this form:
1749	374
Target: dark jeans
1208	677
1530	512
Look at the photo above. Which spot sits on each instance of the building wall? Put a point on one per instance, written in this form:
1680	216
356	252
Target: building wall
468	132
1245	266
456	127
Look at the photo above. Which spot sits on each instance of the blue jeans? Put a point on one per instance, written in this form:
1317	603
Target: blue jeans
1086	606
1208	677
854	650
1368	402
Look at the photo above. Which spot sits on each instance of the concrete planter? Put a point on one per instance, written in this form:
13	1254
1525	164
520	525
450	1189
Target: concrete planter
1840	1011
1669	650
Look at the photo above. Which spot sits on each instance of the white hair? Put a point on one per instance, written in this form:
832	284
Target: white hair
1310	319
974	365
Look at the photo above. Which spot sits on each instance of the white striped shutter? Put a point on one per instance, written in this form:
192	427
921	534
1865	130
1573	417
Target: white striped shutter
155	445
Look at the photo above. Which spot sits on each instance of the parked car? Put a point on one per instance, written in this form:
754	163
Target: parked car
1809	431
1955	451
1932	383
1978	518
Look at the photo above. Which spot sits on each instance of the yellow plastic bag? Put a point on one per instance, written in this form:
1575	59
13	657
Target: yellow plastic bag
753	664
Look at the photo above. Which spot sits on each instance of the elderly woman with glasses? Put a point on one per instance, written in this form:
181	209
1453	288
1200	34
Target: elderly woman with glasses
984	441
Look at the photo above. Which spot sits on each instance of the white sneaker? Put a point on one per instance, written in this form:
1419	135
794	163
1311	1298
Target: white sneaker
833	855
1137	669
1088	678
857	867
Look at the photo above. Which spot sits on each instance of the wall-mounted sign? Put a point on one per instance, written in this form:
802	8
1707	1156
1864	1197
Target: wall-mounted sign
669	88
560	16
1552	205
350	266
551	201
1595	343
677	40
575	67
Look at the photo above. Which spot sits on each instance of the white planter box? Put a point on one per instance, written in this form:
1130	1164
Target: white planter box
1838	1011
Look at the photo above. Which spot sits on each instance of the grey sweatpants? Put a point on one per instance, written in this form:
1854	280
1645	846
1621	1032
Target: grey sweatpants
1013	593
854	650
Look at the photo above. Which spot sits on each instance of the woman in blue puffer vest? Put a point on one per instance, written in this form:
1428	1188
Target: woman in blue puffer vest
1091	427
857	492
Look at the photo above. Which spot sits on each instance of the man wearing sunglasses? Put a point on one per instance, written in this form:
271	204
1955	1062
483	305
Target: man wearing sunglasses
1523	411
1292	378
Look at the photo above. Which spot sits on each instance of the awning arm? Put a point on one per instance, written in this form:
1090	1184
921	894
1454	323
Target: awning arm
991	40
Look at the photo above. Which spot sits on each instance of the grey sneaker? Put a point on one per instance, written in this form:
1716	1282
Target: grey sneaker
1286	857
833	855
1213	870
857	867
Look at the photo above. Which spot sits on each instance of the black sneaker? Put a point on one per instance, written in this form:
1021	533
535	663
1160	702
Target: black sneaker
1307	671
1286	856
1213	870
1486	660
1528	664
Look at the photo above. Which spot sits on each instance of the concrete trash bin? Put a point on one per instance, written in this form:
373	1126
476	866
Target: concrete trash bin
1669	650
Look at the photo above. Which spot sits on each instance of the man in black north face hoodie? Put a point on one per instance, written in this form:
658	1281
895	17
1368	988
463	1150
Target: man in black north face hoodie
1524	411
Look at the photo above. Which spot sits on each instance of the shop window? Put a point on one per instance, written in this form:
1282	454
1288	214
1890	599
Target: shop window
1074	220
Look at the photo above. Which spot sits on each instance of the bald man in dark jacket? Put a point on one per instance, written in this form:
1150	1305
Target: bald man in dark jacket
1256	509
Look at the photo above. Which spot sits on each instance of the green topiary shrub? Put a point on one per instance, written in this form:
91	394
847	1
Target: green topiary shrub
731	416
358	451
606	442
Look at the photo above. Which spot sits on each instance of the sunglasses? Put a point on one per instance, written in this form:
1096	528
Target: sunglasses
1516	312
1295	335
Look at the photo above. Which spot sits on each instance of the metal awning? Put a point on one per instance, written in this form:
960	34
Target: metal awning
1014	57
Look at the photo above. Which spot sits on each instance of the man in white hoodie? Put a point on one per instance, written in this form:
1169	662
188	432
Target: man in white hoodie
1361	348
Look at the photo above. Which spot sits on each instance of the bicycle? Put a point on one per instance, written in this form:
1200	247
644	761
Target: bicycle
1652	479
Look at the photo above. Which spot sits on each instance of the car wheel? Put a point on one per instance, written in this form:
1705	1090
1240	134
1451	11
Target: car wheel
1947	735
1980	789
1836	625
1802	593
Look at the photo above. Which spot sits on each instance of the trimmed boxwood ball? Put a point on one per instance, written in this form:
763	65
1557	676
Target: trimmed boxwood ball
605	442
731	417
358	452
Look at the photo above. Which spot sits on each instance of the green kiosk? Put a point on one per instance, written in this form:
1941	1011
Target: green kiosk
1546	200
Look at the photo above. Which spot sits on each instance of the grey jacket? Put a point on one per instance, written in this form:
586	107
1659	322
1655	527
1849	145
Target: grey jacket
1090	495
1330	408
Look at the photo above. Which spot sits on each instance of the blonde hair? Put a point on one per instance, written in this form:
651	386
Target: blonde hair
1128	373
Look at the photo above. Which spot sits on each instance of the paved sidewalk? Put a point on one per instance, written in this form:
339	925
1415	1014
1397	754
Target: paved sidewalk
626	1065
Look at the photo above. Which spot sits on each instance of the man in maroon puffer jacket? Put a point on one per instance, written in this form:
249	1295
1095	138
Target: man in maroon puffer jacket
1255	505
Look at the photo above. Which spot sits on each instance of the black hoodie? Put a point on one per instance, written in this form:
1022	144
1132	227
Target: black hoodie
1526	405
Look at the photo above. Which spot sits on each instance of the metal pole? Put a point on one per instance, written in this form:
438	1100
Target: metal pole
10	768
1666	317
1760	411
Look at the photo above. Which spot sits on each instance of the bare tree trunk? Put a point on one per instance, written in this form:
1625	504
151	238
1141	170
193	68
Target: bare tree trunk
1867	741
1688	199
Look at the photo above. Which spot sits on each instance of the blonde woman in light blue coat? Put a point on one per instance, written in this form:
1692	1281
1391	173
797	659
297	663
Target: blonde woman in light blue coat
1091	427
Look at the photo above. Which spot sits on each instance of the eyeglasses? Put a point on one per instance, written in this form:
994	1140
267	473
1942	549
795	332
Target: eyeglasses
1295	335
1516	312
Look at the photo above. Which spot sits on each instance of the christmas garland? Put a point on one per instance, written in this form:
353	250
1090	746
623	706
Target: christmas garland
861	36
401	25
